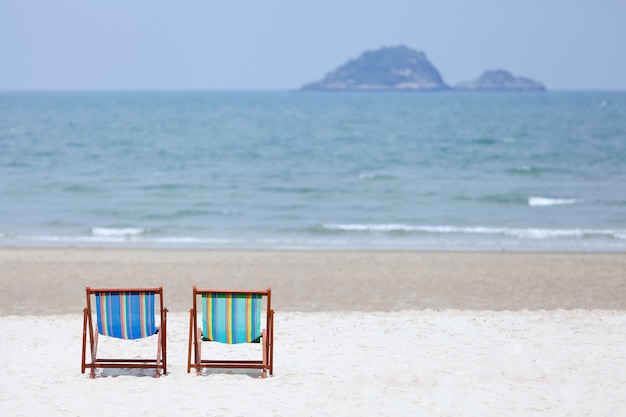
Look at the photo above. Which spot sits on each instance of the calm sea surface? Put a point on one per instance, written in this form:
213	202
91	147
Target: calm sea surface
478	171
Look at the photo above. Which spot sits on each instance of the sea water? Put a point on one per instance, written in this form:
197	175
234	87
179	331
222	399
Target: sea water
283	169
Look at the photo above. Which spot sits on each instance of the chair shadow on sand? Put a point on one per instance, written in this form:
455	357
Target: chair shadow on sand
126	372
212	372
148	373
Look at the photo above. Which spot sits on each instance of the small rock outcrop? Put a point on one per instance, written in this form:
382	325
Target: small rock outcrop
501	80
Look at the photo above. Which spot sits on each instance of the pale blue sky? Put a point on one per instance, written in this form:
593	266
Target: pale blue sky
282	44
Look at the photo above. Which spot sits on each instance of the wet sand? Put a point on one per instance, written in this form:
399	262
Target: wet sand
46	281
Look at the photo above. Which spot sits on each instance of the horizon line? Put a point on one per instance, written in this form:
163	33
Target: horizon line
299	89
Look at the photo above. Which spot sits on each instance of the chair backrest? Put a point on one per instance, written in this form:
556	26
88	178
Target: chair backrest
126	313
232	316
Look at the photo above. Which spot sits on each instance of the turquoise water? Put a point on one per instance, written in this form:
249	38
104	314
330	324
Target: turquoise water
510	171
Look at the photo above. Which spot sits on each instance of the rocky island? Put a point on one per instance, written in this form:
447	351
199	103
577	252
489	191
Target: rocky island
501	80
387	69
401	68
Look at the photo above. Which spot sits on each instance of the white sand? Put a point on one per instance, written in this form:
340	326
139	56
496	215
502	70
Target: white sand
410	363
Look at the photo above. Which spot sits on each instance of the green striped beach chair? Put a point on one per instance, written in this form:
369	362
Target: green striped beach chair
124	313
232	317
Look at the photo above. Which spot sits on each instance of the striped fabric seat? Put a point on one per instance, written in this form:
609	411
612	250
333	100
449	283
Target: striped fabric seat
125	315
231	318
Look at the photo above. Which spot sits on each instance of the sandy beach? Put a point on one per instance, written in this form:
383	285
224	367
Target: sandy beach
357	333
52	281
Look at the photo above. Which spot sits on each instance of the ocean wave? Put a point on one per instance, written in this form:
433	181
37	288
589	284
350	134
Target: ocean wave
374	176
427	238
119	239
528	233
303	242
117	232
546	201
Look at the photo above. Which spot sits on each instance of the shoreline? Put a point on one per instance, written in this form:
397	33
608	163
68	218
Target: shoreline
44	281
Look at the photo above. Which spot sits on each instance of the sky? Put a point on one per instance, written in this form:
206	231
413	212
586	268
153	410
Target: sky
283	44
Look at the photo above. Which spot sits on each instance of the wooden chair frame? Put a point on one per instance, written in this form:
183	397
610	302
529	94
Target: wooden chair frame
158	364
195	337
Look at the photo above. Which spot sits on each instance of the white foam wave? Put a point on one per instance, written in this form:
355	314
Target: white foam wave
359	236
123	239
117	232
366	176
545	201
372	227
528	233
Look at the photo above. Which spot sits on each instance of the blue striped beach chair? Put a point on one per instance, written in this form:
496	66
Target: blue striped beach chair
231	316
124	313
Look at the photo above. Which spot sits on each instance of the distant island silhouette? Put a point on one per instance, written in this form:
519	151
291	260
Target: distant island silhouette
401	68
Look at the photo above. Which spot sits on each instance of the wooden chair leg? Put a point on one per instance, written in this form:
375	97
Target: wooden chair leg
157	373
82	368
94	352
164	341
265	353
198	351
190	341
269	342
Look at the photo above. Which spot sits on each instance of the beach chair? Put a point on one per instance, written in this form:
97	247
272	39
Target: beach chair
231	316
125	313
